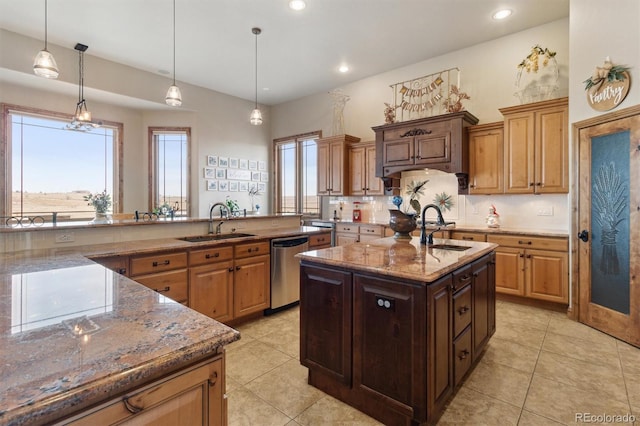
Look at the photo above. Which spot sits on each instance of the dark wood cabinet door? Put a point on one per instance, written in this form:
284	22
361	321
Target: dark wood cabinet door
325	321
433	148
388	345
483	301
398	152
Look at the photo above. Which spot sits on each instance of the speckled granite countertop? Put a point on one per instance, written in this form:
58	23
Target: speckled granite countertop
401	258
73	333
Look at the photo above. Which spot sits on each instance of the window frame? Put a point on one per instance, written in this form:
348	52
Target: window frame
152	171
5	152
298	139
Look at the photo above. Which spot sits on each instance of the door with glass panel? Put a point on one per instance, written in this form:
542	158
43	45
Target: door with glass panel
609	223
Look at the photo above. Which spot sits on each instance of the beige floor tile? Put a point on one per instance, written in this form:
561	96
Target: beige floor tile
239	343
632	382
286	388
475	409
499	381
253	360
605	352
570	328
629	357
231	383
598	378
283	341
265	325
293	423
528	418
511	354
247	409
519	333
330	411
525	315
562	402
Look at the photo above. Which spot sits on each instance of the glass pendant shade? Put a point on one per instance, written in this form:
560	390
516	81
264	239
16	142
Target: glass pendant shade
256	117
174	97
45	65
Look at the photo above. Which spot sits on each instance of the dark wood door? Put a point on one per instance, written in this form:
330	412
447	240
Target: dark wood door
483	287
325	321
608	223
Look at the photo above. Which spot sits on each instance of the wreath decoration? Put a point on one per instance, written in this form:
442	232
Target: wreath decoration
607	72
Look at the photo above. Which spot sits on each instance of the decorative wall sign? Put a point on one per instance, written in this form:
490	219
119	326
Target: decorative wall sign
608	86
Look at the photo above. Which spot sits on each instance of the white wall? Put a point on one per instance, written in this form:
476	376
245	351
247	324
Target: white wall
114	92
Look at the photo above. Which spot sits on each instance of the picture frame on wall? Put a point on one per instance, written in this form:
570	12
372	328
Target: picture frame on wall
221	173
262	187
223	161
243	164
233	186
212	185
212	160
264	177
253	165
209	173
262	165
255	176
223	185
233	163
243	186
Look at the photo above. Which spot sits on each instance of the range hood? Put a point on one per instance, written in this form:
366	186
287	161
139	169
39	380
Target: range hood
439	142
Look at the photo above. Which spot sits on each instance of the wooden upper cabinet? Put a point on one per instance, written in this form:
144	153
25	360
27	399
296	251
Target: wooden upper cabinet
333	164
536	147
362	166
486	169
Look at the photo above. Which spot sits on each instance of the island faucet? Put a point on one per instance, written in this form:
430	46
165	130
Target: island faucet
428	239
222	216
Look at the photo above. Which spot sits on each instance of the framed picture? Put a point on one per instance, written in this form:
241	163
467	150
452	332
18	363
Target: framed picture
264	177
212	160
223	161
233	186
243	163
223	185
209	173
262	165
221	173
212	185
262	187
255	176
253	165
243	186
233	163
238	174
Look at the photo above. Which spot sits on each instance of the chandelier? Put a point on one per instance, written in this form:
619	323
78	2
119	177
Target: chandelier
82	117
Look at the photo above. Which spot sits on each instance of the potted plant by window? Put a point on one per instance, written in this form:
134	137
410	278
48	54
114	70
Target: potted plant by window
403	223
101	202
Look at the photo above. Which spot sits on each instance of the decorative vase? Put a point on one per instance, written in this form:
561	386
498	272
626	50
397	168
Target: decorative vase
402	224
101	217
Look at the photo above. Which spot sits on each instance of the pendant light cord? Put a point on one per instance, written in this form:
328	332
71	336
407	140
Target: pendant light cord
80	77
174	42
46	31
256	98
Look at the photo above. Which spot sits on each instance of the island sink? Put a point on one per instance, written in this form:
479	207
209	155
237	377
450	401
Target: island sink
214	237
449	247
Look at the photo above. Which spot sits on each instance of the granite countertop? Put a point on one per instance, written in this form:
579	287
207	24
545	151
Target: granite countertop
401	258
73	333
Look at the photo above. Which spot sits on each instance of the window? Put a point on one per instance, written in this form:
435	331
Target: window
169	148
297	174
49	169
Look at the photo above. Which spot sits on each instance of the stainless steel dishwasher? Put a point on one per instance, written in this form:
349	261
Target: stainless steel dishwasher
285	271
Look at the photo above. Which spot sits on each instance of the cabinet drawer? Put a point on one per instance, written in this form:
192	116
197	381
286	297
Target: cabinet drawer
468	236
319	240
461	310
210	255
374	230
527	241
462	277
158	263
251	249
462	355
429	128
347	228
171	284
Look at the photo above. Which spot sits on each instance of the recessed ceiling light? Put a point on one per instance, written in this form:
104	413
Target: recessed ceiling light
343	68
502	14
297	4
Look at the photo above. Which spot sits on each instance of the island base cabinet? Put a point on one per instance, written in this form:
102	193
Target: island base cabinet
191	397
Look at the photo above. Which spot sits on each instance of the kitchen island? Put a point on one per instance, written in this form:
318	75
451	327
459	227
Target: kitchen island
393	327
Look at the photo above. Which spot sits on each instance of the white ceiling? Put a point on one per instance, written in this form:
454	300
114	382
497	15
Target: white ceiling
298	52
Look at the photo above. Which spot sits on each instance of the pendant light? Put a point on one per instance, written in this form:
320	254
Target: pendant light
256	115
45	65
82	117
174	97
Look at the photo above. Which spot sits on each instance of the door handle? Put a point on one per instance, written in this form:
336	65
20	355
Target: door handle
584	235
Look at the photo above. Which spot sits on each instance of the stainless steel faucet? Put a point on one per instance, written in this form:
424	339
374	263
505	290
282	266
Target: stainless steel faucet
222	216
428	239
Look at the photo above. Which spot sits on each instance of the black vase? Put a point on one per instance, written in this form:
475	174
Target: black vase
402	224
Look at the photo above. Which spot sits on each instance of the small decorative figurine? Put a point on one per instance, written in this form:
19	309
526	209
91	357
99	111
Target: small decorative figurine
389	114
493	219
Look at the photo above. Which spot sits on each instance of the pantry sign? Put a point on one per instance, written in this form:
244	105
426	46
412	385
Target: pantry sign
608	86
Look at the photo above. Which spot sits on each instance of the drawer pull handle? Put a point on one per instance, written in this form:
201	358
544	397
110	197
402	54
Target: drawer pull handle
166	262
231	269
463	310
467	238
209	256
255	249
130	407
463	354
237	268
164	290
122	271
464	278
524	242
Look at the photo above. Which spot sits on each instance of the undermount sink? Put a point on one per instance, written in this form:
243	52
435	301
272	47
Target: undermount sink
449	247
214	237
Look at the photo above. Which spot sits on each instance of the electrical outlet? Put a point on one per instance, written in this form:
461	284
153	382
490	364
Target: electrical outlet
545	211
65	237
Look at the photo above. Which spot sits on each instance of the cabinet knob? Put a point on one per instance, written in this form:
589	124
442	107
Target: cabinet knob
237	268
463	354
164	290
231	269
463	310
